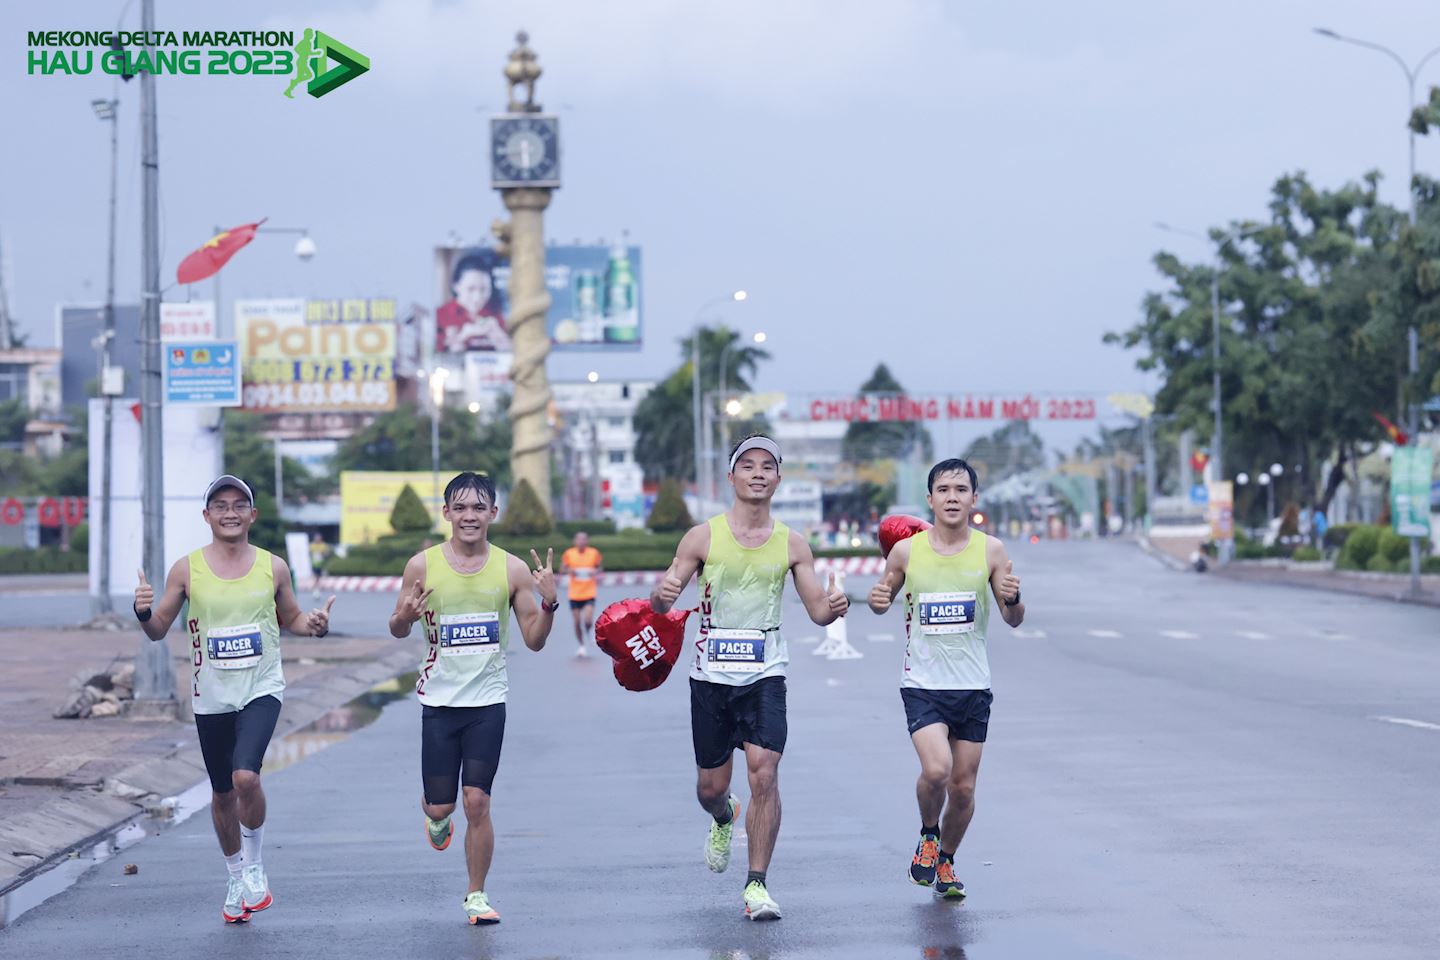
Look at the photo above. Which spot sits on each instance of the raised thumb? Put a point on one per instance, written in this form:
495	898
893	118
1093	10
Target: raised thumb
1009	566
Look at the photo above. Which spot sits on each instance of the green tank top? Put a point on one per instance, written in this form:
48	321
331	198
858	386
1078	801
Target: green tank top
947	610
467	629
740	592
234	636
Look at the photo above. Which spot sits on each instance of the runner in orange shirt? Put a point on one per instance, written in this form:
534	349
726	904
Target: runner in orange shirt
582	563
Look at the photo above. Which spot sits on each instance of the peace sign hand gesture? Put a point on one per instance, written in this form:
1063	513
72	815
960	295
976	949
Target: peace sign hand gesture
412	604
545	576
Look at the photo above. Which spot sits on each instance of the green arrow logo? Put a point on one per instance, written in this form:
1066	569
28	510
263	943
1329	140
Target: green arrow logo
324	76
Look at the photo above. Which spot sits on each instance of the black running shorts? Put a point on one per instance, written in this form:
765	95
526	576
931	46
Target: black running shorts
459	745
965	712
236	740
724	717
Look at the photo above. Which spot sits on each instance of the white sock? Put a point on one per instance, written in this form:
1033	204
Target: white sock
250	843
235	863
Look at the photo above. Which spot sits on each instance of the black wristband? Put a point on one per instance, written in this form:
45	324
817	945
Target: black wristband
142	617
1015	602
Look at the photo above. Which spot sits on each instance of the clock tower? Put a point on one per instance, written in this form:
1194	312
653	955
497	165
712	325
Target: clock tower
525	168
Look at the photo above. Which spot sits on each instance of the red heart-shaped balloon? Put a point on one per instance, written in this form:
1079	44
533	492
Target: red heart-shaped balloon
897	527
644	644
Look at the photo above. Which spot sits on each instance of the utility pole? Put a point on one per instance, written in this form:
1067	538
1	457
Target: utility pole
108	110
154	675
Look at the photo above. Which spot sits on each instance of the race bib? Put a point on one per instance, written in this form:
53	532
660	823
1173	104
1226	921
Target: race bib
235	648
737	651
584	573
469	634
946	613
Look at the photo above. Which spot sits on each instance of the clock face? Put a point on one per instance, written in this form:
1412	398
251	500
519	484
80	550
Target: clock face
525	151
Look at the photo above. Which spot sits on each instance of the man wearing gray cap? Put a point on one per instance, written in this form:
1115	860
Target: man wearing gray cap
239	597
737	675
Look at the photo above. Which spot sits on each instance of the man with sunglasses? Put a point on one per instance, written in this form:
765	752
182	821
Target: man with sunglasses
239	597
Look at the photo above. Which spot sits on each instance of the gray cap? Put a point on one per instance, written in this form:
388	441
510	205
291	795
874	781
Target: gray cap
228	480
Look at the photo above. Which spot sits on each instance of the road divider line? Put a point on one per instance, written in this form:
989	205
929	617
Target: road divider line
1179	634
1106	634
1406	722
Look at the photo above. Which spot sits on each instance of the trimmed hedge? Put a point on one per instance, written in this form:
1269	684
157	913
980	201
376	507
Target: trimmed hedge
1307	555
44	560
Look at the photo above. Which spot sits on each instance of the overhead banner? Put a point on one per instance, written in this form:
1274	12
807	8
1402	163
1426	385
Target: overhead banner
296	365
890	407
1410	471
594	299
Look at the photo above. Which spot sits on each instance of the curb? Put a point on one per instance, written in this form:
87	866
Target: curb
32	842
1333	584
1155	553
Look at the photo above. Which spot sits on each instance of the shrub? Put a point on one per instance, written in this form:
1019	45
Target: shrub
1378	564
43	560
525	515
669	513
1306	555
1249	550
80	539
409	514
1360	547
1335	536
1430	565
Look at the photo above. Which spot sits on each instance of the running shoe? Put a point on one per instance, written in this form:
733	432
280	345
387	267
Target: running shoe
478	909
922	865
439	832
257	888
758	905
234	910
946	886
717	844
581	653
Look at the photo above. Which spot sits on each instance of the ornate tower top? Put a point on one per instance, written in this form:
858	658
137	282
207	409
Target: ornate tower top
522	69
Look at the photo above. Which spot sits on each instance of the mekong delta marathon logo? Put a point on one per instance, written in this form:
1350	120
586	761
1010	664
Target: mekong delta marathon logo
316	59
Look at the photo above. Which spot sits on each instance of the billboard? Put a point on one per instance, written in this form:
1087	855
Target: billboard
294	364
187	321
367	498
594	299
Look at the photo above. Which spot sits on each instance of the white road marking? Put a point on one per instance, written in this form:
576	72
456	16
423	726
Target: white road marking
881	638
1179	634
1405	722
1030	634
832	682
1105	634
1252	635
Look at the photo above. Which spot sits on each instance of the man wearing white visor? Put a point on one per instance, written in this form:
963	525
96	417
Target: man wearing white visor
737	674
239	597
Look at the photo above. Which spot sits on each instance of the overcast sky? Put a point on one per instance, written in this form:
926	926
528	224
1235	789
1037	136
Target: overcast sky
965	190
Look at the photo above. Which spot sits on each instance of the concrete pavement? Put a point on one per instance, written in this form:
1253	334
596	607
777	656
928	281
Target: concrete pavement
1179	766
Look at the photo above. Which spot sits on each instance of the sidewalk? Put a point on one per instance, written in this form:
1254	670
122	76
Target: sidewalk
64	783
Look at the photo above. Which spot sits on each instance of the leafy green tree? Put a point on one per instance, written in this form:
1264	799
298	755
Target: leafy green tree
1012	448
400	440
409	514
664	419
886	439
13	417
250	455
669	513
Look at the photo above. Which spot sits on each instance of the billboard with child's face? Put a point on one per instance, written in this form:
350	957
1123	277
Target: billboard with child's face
594	299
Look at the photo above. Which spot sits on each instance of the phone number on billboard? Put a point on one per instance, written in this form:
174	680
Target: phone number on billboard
269	396
271	370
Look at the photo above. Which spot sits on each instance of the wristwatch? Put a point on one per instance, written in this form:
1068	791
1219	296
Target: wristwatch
1015	602
549	606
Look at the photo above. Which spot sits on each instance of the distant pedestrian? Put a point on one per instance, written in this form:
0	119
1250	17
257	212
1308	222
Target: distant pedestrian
582	563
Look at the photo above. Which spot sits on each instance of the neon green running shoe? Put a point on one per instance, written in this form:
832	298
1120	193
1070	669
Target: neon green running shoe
478	909
439	832
758	905
717	844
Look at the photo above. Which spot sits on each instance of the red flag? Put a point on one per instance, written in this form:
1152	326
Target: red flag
216	252
1396	435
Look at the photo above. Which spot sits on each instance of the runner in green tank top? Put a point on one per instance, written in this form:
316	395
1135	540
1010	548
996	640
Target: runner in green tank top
465	590
737	674
945	683
239	596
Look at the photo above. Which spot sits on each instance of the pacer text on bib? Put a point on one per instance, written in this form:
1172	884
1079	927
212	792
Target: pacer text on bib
946	613
737	651
234	648
468	634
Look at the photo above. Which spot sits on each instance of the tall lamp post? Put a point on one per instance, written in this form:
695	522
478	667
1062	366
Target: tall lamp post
1239	233
1411	75
698	426
726	414
108	111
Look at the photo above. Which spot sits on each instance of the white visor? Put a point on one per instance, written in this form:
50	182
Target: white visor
756	443
229	480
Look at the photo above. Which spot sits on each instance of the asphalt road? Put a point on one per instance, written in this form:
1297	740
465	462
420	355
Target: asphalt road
1178	766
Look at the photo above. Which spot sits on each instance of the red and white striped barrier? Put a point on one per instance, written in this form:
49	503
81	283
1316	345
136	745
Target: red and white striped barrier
629	578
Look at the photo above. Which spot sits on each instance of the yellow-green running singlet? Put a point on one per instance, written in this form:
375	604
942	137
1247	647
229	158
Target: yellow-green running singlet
467	629
947	609
740	591
234	636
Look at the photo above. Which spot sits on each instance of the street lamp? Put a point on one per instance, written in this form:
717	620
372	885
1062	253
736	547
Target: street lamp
437	399
1411	75
1239	233
724	390
1264	481
108	111
304	250
738	296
